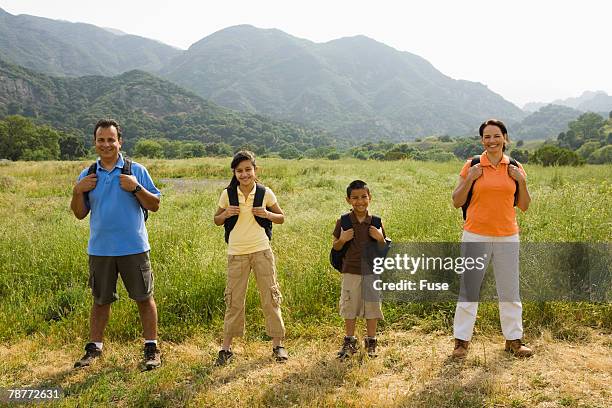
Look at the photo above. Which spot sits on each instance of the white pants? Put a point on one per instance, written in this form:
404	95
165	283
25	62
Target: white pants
506	269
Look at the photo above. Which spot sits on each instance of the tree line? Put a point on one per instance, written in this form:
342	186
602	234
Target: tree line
587	140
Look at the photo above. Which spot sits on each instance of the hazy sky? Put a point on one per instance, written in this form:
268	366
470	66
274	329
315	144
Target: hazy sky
536	50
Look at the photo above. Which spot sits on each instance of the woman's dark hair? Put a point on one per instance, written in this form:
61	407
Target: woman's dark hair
239	158
106	123
500	125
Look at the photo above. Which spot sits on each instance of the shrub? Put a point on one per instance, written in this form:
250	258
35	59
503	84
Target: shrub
601	156
520	155
551	155
587	149
148	148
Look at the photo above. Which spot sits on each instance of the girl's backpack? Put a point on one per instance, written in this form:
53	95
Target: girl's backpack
230	223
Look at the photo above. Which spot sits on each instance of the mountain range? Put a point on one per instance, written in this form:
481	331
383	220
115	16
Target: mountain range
354	88
75	49
589	101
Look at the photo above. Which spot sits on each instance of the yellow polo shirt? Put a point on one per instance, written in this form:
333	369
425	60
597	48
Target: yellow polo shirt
247	236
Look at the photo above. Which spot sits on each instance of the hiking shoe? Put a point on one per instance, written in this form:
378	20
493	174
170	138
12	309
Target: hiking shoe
224	357
461	348
91	352
370	346
348	348
152	356
280	354
518	348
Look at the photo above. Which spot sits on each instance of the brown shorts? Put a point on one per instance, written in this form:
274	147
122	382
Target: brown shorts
135	271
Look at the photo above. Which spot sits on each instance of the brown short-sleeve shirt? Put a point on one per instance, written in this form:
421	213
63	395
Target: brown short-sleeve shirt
361	237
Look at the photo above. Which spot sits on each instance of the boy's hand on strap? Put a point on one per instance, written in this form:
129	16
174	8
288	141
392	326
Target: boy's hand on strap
260	212
231	211
376	233
346	235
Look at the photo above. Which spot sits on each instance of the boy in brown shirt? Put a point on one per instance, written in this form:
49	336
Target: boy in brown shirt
358	298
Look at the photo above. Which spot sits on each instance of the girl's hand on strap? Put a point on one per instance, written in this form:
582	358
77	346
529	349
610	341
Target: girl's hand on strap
231	211
260	212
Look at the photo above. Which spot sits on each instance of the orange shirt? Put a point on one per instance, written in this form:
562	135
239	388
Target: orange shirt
491	210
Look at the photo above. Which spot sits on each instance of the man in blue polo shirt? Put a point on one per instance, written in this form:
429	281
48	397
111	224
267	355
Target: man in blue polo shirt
118	239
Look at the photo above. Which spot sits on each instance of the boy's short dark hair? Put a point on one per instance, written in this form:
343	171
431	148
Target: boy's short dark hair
356	185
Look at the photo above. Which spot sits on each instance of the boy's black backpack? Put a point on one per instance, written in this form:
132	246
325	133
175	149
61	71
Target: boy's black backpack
126	169
474	162
336	258
230	223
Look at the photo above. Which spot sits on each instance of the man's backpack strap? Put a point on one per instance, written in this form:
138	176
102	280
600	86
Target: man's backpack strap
127	167
230	223
266	224
93	168
464	207
127	170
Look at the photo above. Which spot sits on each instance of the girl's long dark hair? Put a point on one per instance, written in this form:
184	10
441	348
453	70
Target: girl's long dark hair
239	158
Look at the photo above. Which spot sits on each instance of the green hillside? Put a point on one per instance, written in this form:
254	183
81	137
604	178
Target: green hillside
148	107
546	123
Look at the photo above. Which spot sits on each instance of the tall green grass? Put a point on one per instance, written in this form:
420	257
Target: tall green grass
43	260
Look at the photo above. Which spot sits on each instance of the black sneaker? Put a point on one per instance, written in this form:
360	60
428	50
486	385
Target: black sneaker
152	356
348	348
280	354
370	345
224	357
91	352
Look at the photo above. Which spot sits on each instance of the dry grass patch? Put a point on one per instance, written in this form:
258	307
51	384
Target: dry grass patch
412	370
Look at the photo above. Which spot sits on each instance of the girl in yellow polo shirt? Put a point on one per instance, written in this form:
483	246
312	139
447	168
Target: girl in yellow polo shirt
249	249
491	222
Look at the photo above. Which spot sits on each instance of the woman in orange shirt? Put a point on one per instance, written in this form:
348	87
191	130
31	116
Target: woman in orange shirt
497	186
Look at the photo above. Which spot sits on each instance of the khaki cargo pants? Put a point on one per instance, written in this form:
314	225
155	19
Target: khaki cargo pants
264	269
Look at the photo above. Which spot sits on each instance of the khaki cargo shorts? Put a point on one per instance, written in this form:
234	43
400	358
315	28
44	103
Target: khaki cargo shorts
135	271
358	298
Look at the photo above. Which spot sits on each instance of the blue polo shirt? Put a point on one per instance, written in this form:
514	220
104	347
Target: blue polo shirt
116	221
